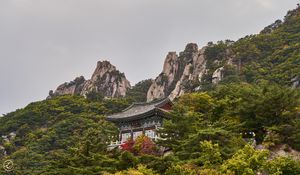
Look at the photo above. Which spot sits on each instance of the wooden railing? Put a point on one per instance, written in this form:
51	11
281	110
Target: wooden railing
114	144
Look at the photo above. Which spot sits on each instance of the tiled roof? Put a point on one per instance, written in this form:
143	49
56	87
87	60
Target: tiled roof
139	110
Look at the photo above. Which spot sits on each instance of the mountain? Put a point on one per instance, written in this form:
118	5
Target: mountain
106	80
272	56
246	94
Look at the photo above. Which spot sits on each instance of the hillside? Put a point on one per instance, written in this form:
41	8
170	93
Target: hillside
69	134
236	111
272	56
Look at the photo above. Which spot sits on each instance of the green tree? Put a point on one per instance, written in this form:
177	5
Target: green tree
210	155
283	165
246	161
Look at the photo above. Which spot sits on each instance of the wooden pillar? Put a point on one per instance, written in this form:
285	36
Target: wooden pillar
120	136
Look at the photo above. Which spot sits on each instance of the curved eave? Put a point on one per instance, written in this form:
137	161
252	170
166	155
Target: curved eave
156	111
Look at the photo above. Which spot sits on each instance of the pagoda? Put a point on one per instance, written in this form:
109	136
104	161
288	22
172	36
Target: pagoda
141	119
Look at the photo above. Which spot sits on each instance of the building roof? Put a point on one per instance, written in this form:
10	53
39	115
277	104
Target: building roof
140	110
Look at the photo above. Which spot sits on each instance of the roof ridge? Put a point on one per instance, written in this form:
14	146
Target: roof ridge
145	103
139	109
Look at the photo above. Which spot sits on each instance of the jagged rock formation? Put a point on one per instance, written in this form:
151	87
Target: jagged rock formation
106	80
255	58
181	73
178	73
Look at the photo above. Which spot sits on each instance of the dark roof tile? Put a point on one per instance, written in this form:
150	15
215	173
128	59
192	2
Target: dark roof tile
138	110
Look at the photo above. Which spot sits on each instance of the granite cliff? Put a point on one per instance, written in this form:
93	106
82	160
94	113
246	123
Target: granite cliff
181	73
106	80
178	72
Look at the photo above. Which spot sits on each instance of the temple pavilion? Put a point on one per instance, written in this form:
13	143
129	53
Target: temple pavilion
141	118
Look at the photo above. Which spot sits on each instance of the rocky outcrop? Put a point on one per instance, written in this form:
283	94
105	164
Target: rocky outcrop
179	71
73	88
217	75
6	139
183	72
166	80
106	80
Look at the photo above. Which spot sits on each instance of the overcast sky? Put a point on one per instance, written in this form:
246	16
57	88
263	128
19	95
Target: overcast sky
44	43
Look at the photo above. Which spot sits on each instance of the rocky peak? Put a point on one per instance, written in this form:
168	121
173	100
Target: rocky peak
106	80
102	68
177	71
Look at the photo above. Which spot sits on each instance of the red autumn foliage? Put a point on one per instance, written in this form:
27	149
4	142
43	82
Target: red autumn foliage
128	146
142	145
147	146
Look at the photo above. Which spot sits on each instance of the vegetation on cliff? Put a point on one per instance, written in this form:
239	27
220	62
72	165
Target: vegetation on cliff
272	55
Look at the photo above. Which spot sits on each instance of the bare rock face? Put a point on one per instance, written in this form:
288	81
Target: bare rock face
73	87
217	75
178	73
106	80
166	79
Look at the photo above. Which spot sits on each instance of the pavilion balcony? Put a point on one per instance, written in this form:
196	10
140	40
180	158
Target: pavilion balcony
113	145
